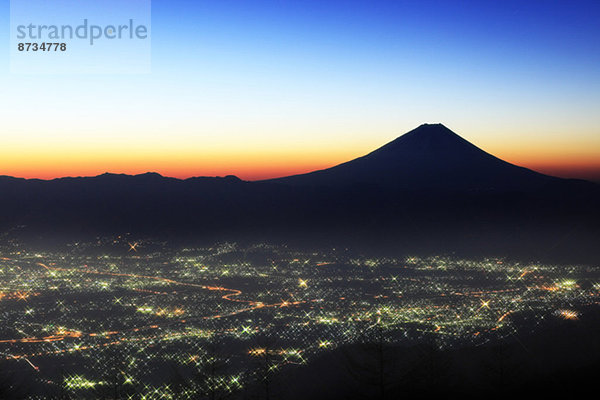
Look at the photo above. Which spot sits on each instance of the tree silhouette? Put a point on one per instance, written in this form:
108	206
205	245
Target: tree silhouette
373	362
265	353
209	374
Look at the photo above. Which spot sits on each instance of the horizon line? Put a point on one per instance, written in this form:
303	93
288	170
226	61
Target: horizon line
255	172
234	176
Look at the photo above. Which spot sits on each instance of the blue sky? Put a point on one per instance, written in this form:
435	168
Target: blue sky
262	88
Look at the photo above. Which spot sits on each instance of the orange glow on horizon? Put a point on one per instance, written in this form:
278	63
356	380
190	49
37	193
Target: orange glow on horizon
563	166
252	168
252	163
251	172
587	172
246	173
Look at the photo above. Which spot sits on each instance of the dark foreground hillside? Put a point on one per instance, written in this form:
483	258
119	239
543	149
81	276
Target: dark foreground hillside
561	358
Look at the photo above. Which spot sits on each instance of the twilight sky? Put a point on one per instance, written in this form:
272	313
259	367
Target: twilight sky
268	88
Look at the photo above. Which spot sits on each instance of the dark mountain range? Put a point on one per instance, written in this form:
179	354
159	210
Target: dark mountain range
428	189
428	157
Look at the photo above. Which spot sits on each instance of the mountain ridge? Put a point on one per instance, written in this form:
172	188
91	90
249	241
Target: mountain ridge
431	188
428	139
430	156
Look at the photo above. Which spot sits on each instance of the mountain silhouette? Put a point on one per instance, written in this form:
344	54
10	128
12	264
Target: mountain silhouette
428	157
428	189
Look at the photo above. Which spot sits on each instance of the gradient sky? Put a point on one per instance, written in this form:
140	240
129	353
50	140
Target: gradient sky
268	88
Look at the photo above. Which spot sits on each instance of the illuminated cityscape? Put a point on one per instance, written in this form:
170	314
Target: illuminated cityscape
299	200
119	318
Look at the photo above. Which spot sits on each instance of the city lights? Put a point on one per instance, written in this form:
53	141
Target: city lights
117	319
